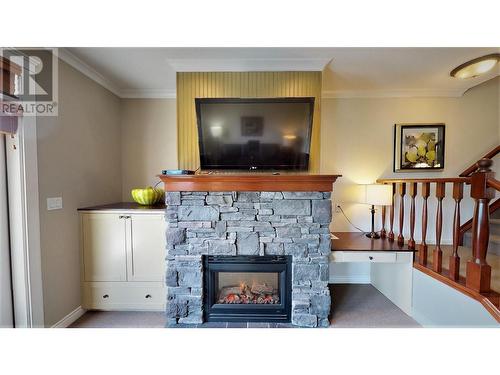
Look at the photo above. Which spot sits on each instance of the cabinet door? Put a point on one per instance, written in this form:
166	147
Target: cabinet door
104	250
146	250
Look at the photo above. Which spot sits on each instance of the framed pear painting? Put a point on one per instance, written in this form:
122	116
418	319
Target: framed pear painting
418	147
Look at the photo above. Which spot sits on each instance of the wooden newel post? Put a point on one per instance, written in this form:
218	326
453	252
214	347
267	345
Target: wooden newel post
478	271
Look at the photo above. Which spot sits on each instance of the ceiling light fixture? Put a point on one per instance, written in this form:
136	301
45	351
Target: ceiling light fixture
476	67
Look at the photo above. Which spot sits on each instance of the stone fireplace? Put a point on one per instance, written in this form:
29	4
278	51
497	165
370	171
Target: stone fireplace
245	225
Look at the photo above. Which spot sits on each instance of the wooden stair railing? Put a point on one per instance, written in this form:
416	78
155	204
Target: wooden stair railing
473	167
493	207
483	186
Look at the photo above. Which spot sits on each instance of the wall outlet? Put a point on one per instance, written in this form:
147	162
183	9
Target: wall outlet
54	203
337	209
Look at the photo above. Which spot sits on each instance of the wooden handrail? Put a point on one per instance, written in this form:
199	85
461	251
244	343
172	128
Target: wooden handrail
473	167
423	180
493	183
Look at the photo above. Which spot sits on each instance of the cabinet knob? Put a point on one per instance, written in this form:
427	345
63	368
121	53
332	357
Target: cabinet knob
105	296
370	257
148	295
124	217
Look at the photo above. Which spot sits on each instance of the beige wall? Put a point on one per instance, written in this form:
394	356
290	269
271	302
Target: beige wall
149	141
79	159
357	140
100	147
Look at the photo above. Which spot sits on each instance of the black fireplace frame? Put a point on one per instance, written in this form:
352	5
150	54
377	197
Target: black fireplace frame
214	312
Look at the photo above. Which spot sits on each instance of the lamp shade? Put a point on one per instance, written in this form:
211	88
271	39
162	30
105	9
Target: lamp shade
378	195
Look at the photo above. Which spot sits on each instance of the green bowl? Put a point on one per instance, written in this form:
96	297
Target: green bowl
148	196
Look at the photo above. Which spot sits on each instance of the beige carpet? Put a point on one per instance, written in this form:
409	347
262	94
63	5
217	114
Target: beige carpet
354	306
363	306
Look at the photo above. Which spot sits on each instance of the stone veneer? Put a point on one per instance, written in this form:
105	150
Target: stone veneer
248	223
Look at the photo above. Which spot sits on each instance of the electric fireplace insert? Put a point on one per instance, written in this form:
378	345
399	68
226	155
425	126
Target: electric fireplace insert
247	288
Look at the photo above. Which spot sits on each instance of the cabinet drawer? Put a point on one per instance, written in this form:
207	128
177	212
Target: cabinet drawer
124	296
363	256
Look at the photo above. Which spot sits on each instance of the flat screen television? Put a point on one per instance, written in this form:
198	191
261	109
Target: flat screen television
254	134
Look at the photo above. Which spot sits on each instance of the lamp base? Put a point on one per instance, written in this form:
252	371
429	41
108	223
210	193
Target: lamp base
373	235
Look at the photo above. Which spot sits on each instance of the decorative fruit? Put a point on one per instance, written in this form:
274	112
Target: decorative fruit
421	143
431	156
421	151
412	155
147	196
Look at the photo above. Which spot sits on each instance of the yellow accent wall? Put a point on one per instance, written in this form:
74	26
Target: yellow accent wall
240	85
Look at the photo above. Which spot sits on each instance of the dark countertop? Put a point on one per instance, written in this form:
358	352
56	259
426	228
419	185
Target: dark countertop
124	206
355	241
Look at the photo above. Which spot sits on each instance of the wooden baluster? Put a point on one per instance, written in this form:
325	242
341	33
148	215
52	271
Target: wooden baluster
402	192
437	255
458	194
413	194
422	250
383	233
478	274
390	236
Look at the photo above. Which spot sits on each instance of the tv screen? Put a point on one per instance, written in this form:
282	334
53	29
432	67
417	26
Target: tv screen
255	134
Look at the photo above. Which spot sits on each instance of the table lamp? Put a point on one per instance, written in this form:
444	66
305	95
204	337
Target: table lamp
377	195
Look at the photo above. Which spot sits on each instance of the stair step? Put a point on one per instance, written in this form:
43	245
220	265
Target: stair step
493	237
493	245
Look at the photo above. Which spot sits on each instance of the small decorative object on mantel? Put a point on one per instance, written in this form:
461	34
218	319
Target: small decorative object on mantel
418	147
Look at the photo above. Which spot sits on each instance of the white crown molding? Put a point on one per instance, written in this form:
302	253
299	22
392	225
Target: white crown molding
148	94
248	65
253	64
88	71
392	93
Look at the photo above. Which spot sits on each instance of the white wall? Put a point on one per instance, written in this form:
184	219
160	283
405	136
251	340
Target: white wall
79	159
435	304
357	142
149	141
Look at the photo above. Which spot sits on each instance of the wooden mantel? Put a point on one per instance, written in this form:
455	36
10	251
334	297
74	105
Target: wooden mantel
249	182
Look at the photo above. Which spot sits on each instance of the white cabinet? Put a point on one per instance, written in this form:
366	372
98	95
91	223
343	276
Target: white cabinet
104	245
123	260
146	251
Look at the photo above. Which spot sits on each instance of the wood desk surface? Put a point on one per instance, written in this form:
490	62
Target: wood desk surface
355	241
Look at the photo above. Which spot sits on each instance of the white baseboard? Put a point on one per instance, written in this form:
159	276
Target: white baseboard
351	279
72	317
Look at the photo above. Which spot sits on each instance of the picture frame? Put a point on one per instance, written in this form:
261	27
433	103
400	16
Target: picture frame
419	147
